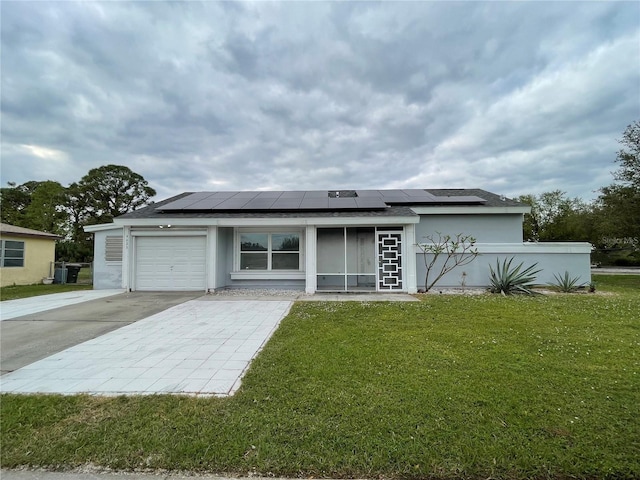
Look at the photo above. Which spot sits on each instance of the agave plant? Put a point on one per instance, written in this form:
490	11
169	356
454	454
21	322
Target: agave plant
566	283
508	281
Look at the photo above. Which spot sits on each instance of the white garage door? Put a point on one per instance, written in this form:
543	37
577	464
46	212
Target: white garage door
170	263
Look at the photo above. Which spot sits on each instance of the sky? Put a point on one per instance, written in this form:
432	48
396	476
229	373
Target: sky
511	97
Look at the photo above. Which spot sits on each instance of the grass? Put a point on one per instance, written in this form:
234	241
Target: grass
85	275
14	292
450	387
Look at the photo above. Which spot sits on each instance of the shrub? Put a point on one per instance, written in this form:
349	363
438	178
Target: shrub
509	281
626	262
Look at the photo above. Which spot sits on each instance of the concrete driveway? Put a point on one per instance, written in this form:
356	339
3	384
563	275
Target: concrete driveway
26	306
26	339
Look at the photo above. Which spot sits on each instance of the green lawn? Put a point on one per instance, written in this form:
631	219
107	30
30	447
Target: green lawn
450	387
14	292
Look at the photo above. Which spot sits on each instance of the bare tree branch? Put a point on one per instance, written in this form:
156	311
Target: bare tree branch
459	250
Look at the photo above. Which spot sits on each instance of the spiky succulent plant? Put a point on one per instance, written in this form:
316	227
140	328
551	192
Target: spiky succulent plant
566	283
509	281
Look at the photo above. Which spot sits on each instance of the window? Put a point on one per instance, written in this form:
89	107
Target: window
12	254
269	251
113	248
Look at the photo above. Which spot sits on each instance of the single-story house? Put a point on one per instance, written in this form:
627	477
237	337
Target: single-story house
346	240
26	255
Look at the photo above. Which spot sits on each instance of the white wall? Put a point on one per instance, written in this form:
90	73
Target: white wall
106	275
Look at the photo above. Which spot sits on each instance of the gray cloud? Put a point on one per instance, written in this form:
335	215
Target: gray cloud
512	97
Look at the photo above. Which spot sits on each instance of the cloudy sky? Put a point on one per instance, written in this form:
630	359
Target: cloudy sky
512	97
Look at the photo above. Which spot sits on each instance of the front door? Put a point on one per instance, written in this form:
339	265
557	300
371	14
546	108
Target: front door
390	260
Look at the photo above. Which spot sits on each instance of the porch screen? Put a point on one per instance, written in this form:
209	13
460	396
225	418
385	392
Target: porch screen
346	259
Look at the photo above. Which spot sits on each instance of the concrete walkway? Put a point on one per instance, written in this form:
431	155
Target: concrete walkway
27	306
195	348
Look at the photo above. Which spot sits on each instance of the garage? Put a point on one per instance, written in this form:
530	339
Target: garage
170	263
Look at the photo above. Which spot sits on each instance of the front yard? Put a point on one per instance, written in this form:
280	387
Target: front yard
472	387
14	292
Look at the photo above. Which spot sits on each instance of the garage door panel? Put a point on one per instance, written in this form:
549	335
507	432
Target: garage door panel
170	263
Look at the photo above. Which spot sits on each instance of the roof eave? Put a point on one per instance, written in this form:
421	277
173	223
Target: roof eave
266	221
31	235
471	210
100	227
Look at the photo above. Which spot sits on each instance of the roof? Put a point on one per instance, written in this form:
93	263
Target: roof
100	227
7	229
313	204
310	200
491	199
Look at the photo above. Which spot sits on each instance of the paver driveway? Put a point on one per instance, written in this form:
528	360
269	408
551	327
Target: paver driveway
198	347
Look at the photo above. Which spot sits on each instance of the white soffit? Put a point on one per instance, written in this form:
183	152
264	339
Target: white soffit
266	222
471	210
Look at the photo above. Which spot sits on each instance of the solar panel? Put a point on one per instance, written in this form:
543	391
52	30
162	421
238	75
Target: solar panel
311	200
286	204
185	201
269	194
392	193
368	193
343	203
293	194
225	194
232	204
259	204
397	199
316	194
418	193
370	202
206	203
315	203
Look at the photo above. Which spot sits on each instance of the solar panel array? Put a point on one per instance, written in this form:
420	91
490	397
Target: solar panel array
310	200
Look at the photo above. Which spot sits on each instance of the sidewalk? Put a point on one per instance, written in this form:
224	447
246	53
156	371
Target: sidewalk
26	306
616	270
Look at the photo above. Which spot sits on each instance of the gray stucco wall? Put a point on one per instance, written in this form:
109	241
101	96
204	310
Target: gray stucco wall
505	228
106	275
551	259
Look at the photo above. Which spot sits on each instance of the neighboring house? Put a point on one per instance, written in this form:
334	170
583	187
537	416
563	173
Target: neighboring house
26	255
348	240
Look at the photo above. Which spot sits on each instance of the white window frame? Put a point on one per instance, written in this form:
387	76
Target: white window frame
4	257
269	232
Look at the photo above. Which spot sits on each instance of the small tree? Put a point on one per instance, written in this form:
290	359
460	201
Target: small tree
458	251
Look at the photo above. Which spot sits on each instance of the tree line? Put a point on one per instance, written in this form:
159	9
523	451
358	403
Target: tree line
611	223
99	196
